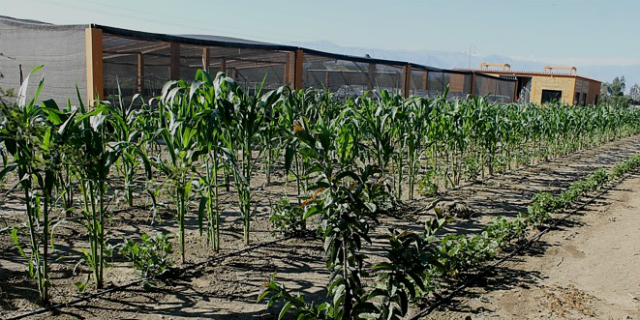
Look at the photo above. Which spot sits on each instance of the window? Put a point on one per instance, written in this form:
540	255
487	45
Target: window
551	96
576	98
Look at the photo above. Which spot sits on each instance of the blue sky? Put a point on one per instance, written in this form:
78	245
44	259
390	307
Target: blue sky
576	32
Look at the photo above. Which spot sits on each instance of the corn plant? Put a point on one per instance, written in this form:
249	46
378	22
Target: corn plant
378	128
242	115
417	126
27	136
180	135
125	130
209	135
95	155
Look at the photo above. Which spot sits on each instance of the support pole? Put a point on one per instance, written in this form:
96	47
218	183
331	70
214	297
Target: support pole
223	65
174	67
140	79
206	57
297	79
93	49
290	69
473	84
326	79
425	80
372	76
406	80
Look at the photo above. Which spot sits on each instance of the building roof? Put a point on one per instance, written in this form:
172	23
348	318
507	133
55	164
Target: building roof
516	73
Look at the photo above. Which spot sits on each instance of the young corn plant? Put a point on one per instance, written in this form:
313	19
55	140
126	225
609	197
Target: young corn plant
126	130
292	108
242	115
270	139
95	155
180	135
30	135
378	129
417	126
209	127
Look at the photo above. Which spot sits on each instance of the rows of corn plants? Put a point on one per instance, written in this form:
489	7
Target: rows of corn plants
350	162
416	264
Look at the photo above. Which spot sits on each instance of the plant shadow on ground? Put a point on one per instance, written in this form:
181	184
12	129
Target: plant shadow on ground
504	277
208	292
503	195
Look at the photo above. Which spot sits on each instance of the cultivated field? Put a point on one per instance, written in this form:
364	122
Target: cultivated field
207	198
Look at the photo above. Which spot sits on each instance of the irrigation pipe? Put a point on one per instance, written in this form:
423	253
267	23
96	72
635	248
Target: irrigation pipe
444	299
179	271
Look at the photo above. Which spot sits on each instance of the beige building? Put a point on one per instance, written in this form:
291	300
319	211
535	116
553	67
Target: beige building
552	84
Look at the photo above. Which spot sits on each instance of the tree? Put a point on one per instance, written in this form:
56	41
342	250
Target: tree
614	92
635	93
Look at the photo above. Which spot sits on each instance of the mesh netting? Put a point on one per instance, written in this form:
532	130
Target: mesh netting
141	66
495	89
26	45
142	63
418	85
342	77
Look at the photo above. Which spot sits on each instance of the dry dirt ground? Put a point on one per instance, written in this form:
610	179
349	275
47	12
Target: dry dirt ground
228	289
588	269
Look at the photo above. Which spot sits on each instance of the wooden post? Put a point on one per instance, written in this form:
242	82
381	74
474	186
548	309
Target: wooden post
93	49
372	76
206	54
290	69
174	66
425	80
223	65
515	91
406	80
326	79
140	80
473	83
297	76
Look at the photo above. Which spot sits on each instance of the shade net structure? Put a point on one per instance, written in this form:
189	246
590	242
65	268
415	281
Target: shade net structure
494	88
25	45
350	76
457	83
134	63
114	62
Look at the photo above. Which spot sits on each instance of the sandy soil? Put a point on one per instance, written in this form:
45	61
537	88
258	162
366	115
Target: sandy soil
228	289
589	269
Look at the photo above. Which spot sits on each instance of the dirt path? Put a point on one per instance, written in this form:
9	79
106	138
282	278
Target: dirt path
590	269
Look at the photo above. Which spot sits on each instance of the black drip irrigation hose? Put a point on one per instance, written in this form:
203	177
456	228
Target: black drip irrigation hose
448	297
174	273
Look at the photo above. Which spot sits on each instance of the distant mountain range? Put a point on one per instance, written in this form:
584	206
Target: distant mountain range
450	60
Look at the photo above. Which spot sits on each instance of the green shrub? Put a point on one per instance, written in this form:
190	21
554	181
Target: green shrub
287	218
426	185
150	256
504	232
